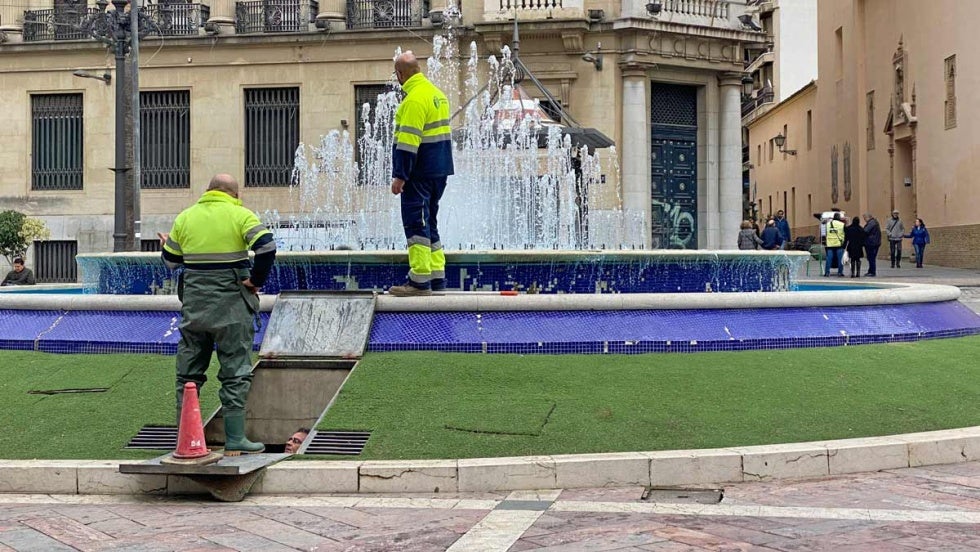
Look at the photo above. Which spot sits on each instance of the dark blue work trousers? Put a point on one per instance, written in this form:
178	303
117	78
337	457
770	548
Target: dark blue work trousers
420	208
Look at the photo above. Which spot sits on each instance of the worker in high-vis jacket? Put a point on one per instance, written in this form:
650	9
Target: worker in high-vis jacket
422	159
218	290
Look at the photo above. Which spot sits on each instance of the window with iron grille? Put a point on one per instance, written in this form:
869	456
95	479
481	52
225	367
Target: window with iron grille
364	94
56	142
54	262
150	245
165	139
271	135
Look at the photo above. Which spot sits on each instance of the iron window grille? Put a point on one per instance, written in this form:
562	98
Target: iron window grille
56	141
275	16
386	14
173	18
150	246
54	261
365	94
271	135
165	139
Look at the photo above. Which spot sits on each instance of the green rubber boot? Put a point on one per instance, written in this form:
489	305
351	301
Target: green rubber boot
235	441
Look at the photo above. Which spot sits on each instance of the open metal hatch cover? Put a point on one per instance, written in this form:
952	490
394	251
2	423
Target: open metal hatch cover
319	324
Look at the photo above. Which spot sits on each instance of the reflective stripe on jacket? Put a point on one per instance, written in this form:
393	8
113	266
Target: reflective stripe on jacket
216	230
835	233
423	138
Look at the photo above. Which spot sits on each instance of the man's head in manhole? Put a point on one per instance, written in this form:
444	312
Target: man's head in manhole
294	442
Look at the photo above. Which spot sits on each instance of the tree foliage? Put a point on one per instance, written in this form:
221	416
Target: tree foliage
17	232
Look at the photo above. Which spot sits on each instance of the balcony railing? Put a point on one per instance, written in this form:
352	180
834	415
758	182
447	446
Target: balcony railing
275	16
718	9
524	5
751	104
56	24
178	19
386	14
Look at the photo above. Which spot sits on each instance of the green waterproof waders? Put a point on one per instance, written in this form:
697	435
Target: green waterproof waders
218	311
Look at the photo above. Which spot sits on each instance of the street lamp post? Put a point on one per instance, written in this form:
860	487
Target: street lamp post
113	28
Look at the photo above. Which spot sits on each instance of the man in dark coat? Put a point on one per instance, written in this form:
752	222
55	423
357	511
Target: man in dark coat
770	236
872	241
19	276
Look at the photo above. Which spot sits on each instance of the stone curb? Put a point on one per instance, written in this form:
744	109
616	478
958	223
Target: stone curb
881	294
659	468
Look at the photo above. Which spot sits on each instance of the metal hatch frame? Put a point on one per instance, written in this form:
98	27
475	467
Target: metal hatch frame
231	478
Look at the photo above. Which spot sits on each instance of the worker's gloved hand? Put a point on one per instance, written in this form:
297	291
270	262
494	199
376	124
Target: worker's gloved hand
247	282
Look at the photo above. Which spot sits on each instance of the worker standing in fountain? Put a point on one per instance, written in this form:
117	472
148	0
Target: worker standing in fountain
422	159
218	291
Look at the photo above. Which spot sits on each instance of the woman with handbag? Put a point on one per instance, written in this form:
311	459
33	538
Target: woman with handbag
854	245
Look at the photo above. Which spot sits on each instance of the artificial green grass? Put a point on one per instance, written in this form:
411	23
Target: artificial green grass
85	425
432	405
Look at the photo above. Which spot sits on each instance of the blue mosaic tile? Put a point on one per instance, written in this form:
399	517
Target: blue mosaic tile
553	332
590	273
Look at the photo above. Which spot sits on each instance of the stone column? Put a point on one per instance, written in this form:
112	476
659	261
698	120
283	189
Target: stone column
711	197
333	15
11	22
437	12
730	160
222	20
635	151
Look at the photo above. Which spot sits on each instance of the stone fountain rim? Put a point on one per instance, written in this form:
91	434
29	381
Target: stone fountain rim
880	294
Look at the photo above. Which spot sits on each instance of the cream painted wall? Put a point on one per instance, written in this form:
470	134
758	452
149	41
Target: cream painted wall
947	161
792	175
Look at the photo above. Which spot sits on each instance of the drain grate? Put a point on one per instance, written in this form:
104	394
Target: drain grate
154	437
683	496
347	443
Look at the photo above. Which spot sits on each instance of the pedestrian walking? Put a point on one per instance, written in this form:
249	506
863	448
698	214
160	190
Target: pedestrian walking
854	245
920	239
895	231
218	290
421	162
872	242
747	238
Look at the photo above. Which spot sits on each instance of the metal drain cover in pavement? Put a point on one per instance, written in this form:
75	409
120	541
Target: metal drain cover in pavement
347	443
155	437
683	496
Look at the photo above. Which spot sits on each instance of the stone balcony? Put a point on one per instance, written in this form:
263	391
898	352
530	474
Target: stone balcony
529	10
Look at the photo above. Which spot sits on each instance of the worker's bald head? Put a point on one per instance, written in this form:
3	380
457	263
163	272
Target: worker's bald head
224	183
406	65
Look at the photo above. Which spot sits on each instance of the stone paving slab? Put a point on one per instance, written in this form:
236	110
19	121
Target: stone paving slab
935	508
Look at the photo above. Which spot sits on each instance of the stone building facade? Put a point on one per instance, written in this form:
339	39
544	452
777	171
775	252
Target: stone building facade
888	131
667	92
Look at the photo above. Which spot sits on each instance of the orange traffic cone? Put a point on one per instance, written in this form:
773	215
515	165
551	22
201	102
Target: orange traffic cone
191	447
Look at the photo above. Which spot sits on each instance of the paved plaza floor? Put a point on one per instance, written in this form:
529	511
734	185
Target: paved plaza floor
931	508
935	508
